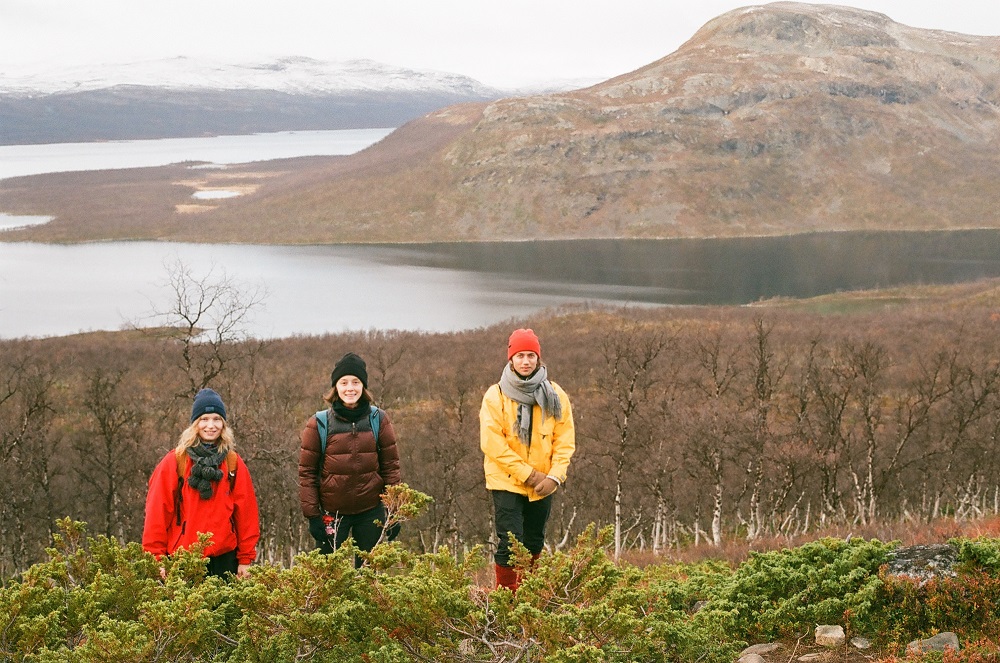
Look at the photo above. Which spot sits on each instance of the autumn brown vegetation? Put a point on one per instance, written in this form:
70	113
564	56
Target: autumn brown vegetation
694	426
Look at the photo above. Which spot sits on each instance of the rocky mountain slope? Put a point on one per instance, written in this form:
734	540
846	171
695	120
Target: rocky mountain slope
772	119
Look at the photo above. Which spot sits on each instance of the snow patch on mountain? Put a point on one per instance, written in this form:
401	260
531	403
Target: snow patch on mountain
294	75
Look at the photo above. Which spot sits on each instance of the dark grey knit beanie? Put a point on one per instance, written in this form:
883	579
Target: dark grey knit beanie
207	401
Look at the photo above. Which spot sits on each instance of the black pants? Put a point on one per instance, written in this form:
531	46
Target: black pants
517	515
222	564
362	527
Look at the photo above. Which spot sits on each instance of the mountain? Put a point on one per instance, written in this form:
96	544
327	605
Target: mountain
773	119
184	97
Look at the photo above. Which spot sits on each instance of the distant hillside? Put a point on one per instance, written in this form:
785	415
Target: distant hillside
773	119
181	97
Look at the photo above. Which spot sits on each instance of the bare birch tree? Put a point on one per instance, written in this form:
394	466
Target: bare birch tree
208	317
631	354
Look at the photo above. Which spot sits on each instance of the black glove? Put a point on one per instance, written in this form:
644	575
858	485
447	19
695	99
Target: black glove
318	529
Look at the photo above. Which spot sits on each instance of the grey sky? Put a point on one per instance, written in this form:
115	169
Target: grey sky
506	44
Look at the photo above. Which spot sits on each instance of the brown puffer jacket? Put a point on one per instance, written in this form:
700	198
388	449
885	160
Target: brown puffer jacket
355	472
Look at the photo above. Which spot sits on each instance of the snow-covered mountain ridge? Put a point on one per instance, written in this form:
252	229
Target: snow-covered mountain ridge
292	75
181	96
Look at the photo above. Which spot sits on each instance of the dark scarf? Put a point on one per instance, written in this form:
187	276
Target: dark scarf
205	471
535	388
353	414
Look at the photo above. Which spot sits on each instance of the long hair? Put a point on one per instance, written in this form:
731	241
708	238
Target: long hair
332	396
189	438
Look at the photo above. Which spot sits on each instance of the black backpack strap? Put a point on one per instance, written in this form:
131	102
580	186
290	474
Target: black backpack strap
181	465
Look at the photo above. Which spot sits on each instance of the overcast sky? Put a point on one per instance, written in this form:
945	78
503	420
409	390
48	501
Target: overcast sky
507	43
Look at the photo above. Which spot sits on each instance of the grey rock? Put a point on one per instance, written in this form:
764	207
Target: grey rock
940	642
762	648
830	636
923	562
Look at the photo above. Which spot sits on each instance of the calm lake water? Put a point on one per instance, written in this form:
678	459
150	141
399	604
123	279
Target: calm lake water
17	160
446	287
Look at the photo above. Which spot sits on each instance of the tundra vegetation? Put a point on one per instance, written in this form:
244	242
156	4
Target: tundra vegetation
762	459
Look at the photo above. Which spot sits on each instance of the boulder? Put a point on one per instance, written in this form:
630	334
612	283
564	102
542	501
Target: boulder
762	648
830	636
940	642
923	562
860	643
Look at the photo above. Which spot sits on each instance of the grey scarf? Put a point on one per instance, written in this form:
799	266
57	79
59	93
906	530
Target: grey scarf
527	392
205	468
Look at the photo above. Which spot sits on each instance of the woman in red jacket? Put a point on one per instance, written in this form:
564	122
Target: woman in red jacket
341	485
203	486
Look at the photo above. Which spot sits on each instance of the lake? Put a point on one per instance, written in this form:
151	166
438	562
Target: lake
50	290
17	160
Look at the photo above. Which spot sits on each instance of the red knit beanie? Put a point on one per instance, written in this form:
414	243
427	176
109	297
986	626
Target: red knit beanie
523	340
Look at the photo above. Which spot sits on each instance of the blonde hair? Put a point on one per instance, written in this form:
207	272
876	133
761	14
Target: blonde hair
189	438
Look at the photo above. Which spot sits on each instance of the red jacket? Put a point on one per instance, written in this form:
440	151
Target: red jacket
229	515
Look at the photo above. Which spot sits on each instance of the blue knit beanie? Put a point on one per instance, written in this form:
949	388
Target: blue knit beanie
207	402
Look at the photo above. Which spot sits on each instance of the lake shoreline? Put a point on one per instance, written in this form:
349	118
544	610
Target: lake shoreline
450	286
532	240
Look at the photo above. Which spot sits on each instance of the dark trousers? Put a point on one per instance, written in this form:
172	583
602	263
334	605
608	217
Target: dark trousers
222	564
362	527
516	514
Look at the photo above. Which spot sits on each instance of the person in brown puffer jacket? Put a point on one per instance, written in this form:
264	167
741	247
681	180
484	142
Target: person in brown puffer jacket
341	494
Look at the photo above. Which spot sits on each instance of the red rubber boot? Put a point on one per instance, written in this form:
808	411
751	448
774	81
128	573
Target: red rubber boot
508	577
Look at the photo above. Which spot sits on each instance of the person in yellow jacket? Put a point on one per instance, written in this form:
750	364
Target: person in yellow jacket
527	437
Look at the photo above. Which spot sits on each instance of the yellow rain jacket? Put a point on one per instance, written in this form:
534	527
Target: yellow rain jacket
508	462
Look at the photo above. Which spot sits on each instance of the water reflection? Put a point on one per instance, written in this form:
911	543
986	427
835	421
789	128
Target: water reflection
729	271
52	289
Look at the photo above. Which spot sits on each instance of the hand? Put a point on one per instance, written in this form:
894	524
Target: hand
534	479
243	571
546	487
163	573
317	529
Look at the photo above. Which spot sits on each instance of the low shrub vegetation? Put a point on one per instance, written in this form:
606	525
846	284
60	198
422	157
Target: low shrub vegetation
97	599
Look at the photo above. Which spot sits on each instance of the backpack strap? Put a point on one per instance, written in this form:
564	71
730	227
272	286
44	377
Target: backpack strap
231	465
321	426
181	466
375	419
321	429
